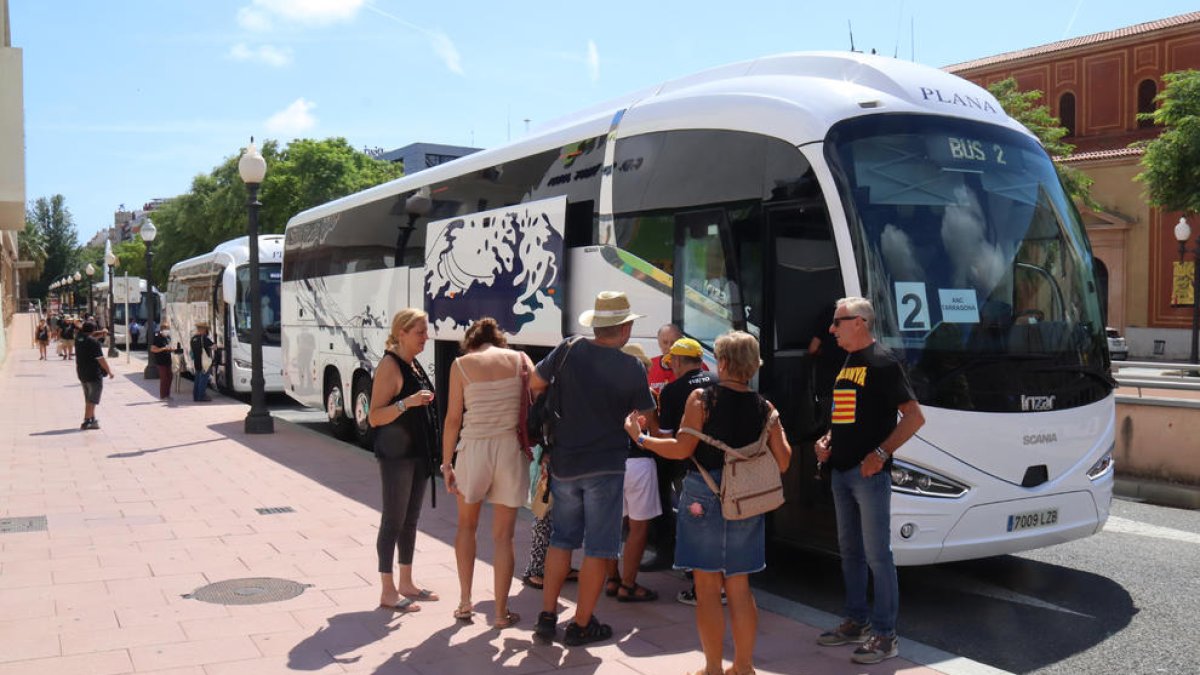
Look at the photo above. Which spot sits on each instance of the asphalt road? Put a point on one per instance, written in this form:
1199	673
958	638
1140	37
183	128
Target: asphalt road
1123	601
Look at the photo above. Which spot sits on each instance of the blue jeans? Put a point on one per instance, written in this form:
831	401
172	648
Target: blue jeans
200	386
864	513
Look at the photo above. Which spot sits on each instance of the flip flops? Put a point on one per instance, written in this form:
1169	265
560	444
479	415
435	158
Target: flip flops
424	595
509	620
464	612
405	606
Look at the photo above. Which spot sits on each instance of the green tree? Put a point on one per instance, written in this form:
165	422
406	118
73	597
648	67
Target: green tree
1171	163
132	258
52	219
304	174
31	245
1023	107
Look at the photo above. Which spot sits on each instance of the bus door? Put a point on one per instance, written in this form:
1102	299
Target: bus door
802	280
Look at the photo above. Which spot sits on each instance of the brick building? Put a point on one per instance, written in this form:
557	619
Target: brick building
1096	85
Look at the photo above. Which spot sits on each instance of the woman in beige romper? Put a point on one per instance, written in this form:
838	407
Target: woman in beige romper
487	382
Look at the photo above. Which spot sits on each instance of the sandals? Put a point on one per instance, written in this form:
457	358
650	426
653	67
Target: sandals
528	581
509	620
405	606
595	631
612	586
424	595
572	575
632	593
464	612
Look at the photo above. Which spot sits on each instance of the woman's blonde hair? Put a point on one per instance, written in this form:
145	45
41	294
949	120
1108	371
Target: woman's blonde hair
739	351
404	320
636	351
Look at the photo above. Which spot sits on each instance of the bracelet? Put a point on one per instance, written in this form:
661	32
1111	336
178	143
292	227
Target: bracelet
641	440
883	454
400	406
446	466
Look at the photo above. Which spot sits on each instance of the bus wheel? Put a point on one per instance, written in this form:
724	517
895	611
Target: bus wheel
335	409
362	410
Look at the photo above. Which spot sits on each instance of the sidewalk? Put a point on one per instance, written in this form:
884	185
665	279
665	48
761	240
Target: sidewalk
161	501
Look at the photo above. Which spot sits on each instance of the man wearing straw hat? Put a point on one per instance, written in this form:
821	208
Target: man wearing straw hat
202	354
599	385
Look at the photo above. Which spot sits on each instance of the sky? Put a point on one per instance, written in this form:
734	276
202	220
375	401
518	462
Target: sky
129	100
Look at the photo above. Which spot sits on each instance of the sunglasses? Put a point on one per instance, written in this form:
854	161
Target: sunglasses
837	320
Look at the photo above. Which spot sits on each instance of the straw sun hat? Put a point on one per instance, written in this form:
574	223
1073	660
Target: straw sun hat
611	309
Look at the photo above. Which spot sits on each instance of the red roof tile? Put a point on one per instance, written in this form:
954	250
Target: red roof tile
1138	29
1101	154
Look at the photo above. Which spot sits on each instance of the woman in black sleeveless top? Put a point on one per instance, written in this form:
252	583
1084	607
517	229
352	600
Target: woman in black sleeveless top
405	443
721	553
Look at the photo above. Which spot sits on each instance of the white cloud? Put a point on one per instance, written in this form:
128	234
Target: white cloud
293	119
446	51
258	14
593	61
268	54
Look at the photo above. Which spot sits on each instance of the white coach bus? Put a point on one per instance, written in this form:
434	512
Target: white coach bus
750	197
215	287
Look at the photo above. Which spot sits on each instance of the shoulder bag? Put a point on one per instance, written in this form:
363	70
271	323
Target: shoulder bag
546	411
750	481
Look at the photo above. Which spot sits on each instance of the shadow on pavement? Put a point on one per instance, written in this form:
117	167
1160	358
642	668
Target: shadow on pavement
58	432
139	453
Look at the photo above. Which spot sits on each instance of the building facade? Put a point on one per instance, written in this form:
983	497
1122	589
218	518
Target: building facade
417	156
1096	85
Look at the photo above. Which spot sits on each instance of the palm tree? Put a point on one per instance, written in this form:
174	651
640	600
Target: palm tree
31	245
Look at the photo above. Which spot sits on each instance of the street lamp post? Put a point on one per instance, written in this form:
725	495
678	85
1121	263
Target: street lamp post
253	168
1182	232
78	278
149	232
91	272
111	260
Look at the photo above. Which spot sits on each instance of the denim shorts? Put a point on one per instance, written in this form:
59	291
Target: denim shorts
92	389
705	541
586	512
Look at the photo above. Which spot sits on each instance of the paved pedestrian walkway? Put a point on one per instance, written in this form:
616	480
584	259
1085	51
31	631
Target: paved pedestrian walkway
161	501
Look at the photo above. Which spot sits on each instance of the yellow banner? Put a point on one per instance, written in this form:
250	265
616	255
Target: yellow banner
1182	283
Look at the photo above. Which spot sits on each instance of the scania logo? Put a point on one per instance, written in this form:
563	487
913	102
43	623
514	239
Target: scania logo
1036	403
1039	439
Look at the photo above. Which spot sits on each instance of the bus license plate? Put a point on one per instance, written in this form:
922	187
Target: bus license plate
1031	519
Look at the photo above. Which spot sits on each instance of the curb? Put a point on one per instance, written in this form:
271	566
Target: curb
1158	493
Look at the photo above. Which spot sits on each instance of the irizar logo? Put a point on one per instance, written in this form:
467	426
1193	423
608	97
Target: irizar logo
1039	439
1036	403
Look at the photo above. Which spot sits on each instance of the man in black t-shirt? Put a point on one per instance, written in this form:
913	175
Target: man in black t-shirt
90	367
868	392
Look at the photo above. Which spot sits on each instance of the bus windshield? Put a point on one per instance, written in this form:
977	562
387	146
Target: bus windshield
975	260
269	276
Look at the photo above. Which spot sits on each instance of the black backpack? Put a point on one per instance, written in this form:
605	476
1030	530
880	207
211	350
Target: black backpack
546	411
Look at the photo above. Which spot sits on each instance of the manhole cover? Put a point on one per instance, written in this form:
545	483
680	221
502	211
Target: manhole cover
30	524
248	591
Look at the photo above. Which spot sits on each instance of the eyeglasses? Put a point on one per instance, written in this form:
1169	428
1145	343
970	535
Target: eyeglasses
837	320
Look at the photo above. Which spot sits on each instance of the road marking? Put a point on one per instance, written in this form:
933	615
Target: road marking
1125	526
974	587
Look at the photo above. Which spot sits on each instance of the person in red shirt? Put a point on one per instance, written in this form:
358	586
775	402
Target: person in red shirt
660	374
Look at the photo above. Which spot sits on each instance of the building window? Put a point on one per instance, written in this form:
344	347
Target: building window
1147	90
1066	112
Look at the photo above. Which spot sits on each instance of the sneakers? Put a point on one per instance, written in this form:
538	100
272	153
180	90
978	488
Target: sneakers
850	632
594	631
89	425
876	649
547	624
688	597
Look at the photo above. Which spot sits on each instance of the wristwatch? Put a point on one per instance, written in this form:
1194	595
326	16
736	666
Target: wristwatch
400	406
641	440
883	454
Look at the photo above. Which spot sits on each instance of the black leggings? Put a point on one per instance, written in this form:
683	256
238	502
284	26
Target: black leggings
403	488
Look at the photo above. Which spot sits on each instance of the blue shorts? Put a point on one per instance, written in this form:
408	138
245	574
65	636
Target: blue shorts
587	512
705	541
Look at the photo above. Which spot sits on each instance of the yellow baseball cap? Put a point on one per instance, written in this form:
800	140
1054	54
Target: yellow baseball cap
683	347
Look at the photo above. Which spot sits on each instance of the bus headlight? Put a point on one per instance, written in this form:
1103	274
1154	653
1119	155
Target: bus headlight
912	480
242	364
1102	466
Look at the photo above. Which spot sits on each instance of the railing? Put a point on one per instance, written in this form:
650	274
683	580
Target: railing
1172	376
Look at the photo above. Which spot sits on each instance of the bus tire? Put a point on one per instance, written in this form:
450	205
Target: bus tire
339	422
362	409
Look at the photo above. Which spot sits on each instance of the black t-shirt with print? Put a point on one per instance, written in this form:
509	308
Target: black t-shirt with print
161	358
866	395
674	396
88	353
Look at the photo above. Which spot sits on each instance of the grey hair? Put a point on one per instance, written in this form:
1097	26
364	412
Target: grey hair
859	307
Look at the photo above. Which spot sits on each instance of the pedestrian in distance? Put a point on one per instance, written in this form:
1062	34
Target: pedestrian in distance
42	337
160	354
599	385
482	457
721	553
91	367
405	443
868	392
201	348
135	329
66	337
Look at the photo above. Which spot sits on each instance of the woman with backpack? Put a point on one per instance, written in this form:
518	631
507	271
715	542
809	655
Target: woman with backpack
721	552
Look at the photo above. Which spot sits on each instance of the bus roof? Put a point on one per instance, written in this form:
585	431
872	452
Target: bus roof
234	252
796	97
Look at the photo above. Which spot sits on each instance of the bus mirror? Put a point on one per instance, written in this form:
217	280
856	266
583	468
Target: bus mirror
419	203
